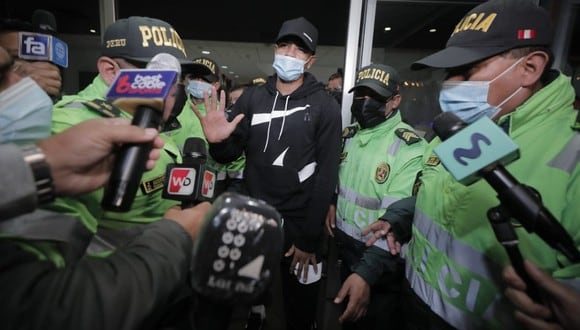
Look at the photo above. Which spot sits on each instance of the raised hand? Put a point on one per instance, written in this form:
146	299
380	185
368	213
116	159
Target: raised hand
216	127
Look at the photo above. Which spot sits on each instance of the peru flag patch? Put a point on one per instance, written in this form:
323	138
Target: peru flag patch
526	34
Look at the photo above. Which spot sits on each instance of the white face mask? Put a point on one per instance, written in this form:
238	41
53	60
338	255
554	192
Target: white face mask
288	68
197	87
468	99
25	113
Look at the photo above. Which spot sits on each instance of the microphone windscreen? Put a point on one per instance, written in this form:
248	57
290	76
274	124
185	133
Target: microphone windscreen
447	124
164	61
194	147
43	21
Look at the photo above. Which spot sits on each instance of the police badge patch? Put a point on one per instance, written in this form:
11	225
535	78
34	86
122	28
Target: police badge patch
382	172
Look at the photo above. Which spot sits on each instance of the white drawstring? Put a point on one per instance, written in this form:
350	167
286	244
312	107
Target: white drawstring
270	122
284	119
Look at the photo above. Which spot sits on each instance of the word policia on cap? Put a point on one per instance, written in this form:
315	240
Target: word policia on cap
157	34
475	22
376	74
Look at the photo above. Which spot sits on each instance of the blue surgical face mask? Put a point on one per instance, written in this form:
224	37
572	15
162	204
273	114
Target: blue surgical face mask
288	68
25	113
468	99
197	87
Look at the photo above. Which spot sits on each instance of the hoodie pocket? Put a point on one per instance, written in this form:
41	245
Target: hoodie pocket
274	184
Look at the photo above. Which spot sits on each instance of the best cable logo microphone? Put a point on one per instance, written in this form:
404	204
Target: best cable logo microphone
190	182
42	47
144	90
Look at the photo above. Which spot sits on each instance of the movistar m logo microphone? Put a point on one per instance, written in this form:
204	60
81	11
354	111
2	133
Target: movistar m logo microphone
473	152
466	153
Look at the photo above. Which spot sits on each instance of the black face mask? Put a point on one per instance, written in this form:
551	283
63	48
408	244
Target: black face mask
368	112
337	96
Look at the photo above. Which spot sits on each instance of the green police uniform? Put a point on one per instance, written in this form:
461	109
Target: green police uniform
191	127
454	261
148	205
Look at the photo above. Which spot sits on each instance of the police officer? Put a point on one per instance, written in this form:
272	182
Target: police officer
379	162
128	43
498	63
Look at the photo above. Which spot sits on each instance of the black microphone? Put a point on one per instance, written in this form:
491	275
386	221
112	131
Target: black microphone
152	86
43	21
235	254
521	201
190	182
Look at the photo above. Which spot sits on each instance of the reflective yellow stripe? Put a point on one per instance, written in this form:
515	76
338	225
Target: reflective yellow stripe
355	233
569	157
369	203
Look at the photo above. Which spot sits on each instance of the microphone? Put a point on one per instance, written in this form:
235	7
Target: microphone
141	92
481	150
41	44
190	182
43	21
42	47
235	255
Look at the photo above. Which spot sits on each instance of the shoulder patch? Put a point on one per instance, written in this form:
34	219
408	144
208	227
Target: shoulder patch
349	131
432	161
104	108
407	135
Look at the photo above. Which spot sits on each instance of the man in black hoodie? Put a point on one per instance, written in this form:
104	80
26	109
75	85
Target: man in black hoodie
290	130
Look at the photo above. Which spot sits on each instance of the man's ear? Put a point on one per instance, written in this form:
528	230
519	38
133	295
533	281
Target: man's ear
108	69
310	61
396	101
534	65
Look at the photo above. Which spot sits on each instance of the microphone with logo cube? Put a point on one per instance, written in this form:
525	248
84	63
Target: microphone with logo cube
190	182
144	92
481	149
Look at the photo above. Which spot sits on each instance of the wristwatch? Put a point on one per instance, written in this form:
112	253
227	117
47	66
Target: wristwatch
35	158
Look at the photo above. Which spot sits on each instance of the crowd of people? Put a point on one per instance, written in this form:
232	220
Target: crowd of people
416	247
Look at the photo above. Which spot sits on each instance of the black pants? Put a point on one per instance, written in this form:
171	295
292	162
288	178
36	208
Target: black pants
384	309
300	300
418	315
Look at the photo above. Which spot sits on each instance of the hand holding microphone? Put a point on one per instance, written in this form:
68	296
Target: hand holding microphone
141	92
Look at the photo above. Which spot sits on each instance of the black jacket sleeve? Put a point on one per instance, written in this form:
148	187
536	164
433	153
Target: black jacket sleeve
21	197
328	144
232	148
131	289
400	216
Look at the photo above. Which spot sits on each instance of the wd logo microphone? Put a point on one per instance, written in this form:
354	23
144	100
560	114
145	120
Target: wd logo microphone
42	47
474	148
181	181
190	182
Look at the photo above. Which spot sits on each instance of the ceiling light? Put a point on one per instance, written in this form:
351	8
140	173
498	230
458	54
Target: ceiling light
206	52
92	31
224	66
432	30
388	28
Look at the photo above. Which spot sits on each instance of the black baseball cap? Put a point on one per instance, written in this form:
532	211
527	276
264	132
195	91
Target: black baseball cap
211	65
139	38
382	79
492	28
301	28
